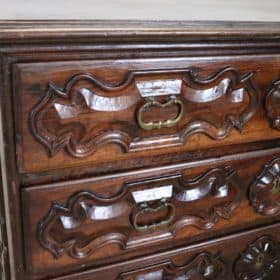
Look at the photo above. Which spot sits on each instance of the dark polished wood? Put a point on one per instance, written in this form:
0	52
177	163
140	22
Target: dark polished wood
147	31
207	260
272	104
85	120
95	220
139	150
264	191
78	126
4	262
200	266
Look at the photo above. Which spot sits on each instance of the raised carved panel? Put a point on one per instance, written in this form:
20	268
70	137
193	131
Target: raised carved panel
88	112
264	192
202	266
160	207
272	104
259	260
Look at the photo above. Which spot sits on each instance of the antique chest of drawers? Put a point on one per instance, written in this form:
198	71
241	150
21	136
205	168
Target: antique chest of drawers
144	151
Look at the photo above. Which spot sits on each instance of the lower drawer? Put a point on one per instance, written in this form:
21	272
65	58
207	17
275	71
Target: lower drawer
250	255
94	222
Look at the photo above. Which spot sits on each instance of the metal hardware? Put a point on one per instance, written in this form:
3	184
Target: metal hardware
144	208
151	102
276	185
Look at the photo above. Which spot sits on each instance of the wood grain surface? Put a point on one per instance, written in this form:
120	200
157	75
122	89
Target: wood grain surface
71	209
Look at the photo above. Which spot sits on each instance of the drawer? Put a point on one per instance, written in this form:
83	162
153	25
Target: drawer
124	113
102	220
255	255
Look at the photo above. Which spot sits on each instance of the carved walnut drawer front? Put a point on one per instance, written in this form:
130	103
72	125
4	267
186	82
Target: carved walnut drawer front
101	220
115	113
250	255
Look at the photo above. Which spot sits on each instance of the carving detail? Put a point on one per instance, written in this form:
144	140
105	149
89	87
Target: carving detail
61	231
259	260
82	138
272	104
202	266
264	193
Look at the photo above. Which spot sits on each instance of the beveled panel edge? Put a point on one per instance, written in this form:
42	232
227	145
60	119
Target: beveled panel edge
22	30
164	169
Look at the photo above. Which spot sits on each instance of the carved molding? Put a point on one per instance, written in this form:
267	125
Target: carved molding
264	194
202	266
272	105
64	106
61	231
259	260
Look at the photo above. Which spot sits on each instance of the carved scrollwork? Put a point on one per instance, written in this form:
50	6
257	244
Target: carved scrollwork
202	266
81	226
58	121
259	260
264	192
272	104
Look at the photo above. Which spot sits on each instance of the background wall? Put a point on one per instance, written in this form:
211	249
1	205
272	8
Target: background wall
251	10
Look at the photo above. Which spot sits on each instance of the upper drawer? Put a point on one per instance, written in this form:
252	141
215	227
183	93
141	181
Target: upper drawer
95	112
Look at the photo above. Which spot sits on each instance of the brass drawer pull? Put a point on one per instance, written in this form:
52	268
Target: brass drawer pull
144	208
151	102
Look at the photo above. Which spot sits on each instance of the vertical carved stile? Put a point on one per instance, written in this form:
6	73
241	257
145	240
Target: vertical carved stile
4	266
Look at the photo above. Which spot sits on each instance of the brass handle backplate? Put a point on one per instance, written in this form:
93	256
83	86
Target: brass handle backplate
151	102
144	209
